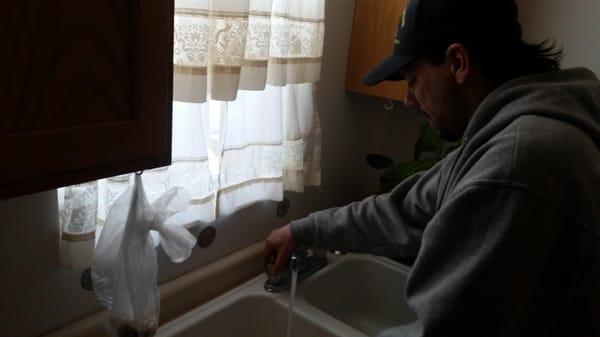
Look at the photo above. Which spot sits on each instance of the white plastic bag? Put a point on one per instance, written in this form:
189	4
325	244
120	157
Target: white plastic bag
124	271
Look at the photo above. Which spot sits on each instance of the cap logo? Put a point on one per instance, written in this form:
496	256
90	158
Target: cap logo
403	18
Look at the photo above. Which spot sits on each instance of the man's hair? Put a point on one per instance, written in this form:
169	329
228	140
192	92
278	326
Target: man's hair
500	62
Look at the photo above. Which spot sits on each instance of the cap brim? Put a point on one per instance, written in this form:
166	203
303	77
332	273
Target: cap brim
388	70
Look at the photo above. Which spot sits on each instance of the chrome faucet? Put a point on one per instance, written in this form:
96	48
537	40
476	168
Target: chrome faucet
305	261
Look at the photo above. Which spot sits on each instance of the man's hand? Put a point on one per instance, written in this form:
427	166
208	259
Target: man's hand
279	244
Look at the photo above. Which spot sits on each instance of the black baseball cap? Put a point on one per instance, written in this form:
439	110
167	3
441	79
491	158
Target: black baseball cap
426	24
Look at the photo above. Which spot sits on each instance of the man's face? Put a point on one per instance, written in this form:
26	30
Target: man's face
433	90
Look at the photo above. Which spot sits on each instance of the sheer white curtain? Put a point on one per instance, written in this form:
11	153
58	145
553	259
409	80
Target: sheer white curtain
222	46
245	123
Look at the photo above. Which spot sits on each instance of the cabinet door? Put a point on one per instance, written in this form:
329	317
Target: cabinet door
85	90
373	30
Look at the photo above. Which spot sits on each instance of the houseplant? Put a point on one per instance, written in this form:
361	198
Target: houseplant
428	150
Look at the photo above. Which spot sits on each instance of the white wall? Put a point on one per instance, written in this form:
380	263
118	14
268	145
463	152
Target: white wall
574	24
38	297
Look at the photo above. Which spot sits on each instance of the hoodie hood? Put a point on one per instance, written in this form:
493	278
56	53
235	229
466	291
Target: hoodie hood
571	95
535	132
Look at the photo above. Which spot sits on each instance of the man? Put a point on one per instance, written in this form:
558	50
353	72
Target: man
506	229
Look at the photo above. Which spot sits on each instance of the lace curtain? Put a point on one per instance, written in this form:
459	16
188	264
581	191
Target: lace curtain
223	46
245	124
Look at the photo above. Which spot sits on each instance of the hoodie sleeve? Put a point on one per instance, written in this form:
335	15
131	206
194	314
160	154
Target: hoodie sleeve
389	224
499	260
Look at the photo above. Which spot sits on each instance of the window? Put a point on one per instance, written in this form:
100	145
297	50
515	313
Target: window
245	125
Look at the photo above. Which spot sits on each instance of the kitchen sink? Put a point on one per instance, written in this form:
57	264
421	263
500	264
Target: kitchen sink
365	293
251	316
352	296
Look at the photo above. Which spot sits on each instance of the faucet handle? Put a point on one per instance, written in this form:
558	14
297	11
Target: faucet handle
304	261
297	261
272	277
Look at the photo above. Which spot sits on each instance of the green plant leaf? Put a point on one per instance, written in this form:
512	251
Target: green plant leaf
379	161
398	173
431	137
420	148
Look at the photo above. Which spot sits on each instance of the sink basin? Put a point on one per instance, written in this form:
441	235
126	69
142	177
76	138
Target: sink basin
252	316
352	296
363	292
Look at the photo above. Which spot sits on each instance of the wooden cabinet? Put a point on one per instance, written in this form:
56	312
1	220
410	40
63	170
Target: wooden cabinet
85	90
373	30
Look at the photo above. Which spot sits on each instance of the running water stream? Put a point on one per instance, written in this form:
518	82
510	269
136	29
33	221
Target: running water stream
292	299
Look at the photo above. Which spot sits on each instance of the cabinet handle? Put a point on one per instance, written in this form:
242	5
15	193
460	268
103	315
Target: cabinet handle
389	105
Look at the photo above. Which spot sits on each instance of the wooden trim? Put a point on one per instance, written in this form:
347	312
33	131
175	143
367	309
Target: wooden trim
67	178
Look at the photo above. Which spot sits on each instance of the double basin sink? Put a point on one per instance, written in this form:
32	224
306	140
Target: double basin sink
352	296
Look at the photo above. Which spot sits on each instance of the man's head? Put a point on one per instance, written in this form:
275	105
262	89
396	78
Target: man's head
454	52
446	90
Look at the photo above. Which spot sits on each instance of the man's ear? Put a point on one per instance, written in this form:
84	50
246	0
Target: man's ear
459	60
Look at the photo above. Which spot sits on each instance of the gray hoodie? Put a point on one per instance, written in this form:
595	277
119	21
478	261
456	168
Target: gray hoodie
506	229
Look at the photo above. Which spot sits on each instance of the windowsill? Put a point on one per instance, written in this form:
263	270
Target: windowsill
185	292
